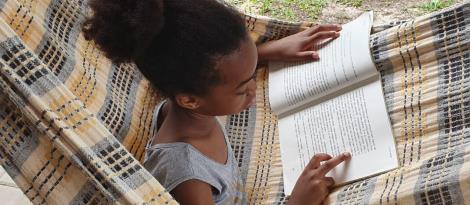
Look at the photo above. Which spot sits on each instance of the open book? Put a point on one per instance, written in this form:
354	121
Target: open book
331	106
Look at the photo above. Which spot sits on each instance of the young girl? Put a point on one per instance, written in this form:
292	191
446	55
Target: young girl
199	55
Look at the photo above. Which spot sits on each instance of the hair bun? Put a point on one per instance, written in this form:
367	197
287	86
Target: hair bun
123	29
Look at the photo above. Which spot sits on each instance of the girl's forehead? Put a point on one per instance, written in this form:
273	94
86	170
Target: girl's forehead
239	65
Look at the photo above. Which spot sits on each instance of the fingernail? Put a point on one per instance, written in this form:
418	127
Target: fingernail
315	56
347	154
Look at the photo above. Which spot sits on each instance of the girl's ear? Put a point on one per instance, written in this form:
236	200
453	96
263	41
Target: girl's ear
187	101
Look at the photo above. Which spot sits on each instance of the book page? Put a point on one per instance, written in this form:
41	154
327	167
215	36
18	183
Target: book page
355	121
343	61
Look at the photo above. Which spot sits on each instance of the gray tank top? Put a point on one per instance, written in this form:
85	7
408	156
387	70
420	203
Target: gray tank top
173	163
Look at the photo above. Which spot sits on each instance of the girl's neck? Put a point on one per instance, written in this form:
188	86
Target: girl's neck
184	124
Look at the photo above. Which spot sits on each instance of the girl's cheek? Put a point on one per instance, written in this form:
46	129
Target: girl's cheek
242	100
235	100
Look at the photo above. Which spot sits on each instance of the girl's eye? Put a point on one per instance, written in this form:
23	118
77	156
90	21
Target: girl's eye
246	91
242	93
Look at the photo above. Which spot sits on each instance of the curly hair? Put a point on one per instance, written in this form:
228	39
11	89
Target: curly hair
174	43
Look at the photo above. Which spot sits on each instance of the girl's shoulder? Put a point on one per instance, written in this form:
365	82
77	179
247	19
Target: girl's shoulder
173	163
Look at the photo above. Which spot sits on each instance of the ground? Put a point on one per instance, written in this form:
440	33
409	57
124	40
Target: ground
341	11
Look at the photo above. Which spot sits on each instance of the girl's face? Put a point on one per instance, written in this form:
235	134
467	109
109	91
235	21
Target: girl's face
237	89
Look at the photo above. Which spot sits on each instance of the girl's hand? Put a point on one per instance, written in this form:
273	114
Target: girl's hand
298	46
313	187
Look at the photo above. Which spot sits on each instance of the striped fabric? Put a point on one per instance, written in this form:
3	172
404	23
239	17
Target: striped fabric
425	67
73	125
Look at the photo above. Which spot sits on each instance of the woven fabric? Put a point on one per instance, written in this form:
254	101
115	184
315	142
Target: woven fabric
73	125
425	67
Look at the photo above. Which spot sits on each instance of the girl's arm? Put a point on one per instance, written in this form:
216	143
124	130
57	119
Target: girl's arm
298	46
193	192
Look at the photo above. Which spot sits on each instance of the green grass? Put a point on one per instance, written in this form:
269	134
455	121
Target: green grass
291	10
354	3
265	5
434	5
311	10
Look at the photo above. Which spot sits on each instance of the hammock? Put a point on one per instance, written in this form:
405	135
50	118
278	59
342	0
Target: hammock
73	125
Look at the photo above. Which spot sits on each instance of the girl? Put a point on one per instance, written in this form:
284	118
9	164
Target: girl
199	55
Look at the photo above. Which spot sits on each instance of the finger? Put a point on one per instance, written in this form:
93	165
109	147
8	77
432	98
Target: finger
311	40
316	159
324	190
332	163
329	181
318	28
326	27
307	55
